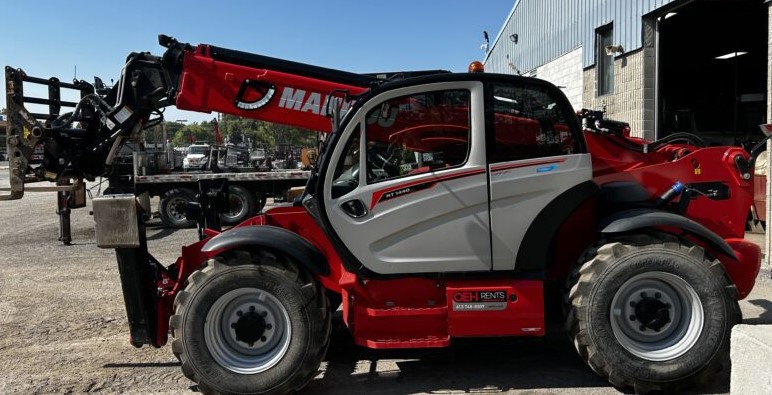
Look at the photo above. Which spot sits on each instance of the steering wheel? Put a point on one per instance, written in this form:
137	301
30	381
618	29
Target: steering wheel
392	152
388	164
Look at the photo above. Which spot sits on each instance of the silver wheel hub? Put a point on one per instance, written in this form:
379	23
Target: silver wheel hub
656	316
176	208
236	206
247	331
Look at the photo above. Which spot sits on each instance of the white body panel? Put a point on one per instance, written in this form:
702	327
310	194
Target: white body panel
519	192
442	228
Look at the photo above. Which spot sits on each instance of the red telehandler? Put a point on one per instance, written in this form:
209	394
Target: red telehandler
442	206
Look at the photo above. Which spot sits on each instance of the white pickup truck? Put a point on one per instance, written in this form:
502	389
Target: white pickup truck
197	157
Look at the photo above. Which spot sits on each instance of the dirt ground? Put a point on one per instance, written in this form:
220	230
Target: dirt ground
63	329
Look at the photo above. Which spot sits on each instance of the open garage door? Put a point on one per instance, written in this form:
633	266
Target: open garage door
713	70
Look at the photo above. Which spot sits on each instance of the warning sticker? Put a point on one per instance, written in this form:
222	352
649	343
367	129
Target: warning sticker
123	114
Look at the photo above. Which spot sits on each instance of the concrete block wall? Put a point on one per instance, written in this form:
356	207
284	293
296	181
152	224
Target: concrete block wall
565	72
626	104
649	53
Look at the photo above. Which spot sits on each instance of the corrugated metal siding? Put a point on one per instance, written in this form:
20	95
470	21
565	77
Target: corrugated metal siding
547	29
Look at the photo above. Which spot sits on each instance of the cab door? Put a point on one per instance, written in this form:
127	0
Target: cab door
538	168
407	192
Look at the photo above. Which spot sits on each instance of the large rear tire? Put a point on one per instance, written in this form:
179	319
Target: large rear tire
242	327
653	314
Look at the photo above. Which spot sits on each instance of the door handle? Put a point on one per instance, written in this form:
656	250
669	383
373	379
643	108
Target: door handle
354	208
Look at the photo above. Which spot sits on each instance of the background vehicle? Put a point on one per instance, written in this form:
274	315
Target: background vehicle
145	174
258	159
442	206
197	157
248	191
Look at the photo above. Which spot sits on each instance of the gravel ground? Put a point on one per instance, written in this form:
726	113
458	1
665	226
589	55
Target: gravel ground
63	329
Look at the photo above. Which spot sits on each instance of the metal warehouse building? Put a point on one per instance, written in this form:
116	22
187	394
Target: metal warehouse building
663	66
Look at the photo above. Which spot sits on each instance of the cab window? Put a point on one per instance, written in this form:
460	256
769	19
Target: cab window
417	134
528	122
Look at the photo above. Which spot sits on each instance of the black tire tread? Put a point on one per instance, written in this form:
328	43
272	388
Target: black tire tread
579	283
270	261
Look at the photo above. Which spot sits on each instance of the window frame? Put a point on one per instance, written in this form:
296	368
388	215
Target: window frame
604	75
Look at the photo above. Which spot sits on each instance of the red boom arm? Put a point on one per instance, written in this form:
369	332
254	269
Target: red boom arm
258	87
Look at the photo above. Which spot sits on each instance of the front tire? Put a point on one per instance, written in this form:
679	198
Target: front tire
241	327
652	314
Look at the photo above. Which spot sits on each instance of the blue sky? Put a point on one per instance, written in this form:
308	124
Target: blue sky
51	38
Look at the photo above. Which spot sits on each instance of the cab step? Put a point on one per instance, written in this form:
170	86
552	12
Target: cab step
400	327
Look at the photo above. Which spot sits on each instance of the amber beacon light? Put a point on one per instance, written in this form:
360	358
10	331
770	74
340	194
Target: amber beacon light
476	67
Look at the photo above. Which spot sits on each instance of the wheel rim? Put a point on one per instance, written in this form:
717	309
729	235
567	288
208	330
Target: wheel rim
176	208
237	206
657	316
247	331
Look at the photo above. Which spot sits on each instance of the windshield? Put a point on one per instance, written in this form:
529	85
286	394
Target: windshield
201	149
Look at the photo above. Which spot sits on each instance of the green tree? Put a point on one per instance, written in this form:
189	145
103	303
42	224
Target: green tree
179	139
259	134
173	127
185	135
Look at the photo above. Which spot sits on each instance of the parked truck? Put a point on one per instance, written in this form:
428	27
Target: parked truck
248	188
442	206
